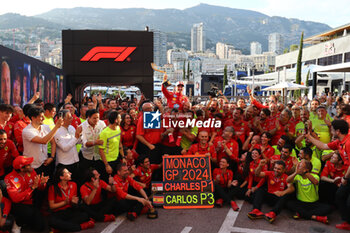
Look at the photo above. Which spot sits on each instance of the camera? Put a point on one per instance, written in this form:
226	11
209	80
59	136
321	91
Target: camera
214	91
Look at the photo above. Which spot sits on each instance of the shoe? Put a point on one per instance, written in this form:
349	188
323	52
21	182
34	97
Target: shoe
145	210
270	217
219	202
296	216
178	140
322	219
131	216
109	218
87	225
343	226
234	206
16	228
255	214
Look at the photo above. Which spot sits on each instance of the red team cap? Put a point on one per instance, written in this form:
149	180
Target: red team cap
22	161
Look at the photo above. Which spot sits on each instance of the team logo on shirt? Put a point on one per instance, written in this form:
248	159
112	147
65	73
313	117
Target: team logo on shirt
151	120
15	179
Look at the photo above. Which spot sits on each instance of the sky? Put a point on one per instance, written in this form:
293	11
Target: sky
332	12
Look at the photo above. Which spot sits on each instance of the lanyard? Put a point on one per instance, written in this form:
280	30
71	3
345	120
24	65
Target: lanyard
65	195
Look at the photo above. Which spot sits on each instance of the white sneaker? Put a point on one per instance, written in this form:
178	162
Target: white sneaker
16	228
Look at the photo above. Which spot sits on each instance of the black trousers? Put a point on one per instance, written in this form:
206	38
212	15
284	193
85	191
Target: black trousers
261	195
327	192
307	209
171	150
113	164
47	170
124	206
68	219
155	155
85	164
28	215
343	201
99	210
227	194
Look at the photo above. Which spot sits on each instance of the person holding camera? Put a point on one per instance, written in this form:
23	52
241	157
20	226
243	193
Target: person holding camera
66	139
36	136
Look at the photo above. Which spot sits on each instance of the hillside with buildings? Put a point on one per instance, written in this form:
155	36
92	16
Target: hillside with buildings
234	26
203	38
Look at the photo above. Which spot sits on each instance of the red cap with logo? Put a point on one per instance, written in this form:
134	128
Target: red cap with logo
22	161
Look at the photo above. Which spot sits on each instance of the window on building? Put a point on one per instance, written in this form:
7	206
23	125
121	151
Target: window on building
310	62
326	61
347	57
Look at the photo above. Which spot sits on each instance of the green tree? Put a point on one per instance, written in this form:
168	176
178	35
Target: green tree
298	73
225	79
286	50
293	47
306	92
188	70
184	71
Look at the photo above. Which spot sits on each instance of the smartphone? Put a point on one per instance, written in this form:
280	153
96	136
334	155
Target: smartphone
60	114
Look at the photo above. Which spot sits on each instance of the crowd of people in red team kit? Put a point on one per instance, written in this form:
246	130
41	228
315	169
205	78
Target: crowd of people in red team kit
94	160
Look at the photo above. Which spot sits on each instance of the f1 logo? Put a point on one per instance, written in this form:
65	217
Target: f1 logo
119	54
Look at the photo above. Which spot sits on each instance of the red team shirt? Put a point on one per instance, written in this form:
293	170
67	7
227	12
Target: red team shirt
7	154
252	177
232	146
331	171
19	187
225	177
9	128
128	136
152	136
145	176
196	149
123	186
275	184
343	147
241	129
280	132
86	189
289	162
267	125
268	152
76	121
18	129
174	99
70	192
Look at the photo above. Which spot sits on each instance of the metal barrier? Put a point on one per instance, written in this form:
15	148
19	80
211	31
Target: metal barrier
230	98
